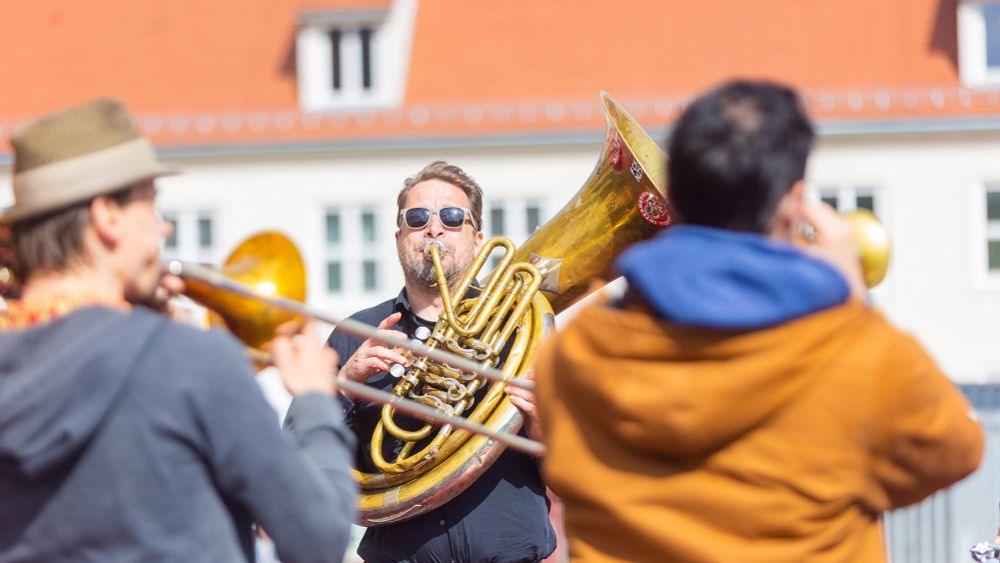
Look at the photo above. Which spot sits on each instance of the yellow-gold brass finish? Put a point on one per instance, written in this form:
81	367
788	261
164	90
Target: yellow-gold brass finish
872	241
421	466
269	263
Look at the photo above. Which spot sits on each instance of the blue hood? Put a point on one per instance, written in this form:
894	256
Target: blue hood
719	279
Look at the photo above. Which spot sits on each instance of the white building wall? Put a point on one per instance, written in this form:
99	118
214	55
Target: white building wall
930	189
936	287
292	193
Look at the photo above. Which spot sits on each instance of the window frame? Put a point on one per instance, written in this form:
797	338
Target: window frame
848	193
387	56
987	231
514	212
972	45
352	250
187	234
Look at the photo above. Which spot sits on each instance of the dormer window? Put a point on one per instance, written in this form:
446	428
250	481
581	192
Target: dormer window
351	61
354	59
979	43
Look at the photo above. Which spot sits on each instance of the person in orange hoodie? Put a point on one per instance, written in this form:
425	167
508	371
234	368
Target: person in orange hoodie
743	401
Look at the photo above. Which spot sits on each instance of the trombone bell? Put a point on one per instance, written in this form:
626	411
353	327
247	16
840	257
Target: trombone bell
267	262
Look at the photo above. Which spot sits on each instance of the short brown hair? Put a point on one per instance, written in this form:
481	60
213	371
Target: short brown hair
441	170
53	241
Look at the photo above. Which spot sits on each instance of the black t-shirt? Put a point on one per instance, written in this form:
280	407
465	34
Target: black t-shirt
502	516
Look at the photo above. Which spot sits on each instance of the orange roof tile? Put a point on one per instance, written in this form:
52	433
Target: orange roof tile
223	72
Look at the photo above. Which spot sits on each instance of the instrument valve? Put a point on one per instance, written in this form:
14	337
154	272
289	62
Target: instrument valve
397	370
413	381
421	333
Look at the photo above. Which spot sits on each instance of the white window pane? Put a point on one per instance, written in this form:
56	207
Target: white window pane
367	42
991	19
204	232
497	222
994	255
993	206
368	234
333	277
532	218
333	228
370	271
865	202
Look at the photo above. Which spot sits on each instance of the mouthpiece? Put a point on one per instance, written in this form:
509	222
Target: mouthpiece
440	246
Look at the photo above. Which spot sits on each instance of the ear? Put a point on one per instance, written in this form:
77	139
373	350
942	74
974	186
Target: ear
106	219
789	213
479	238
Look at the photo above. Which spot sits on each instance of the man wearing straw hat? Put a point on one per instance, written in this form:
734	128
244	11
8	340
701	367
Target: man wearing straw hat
125	436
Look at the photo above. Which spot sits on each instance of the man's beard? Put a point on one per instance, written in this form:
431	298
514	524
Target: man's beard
419	268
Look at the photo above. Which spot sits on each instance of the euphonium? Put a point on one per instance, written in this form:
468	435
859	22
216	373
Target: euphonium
502	324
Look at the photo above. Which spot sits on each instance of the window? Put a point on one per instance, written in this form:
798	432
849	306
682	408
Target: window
193	237
514	219
334	283
369	272
171	243
351	252
354	58
993	228
332	227
496	222
351	61
979	42
991	18
205	231
532	218
849	198
368	232
865	202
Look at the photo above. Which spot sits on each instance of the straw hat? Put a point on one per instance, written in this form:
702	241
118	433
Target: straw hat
75	155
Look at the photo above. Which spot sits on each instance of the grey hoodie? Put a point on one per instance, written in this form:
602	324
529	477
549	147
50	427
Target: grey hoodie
126	437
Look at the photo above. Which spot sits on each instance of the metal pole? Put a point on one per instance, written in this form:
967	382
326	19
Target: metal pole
217	279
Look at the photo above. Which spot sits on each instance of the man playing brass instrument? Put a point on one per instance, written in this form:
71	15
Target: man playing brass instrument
503	515
125	436
751	405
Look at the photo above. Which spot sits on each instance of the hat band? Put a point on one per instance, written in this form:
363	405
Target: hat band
86	176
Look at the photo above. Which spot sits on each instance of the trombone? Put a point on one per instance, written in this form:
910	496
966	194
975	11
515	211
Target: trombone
229	298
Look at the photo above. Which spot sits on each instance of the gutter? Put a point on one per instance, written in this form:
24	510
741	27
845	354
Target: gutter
827	129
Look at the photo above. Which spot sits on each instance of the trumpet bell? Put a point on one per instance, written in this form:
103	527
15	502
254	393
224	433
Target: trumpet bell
872	241
269	263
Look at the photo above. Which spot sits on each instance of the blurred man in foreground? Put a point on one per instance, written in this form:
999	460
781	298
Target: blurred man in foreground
751	405
125	436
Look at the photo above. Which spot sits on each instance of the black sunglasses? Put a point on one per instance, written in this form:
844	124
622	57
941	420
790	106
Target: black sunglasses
450	217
